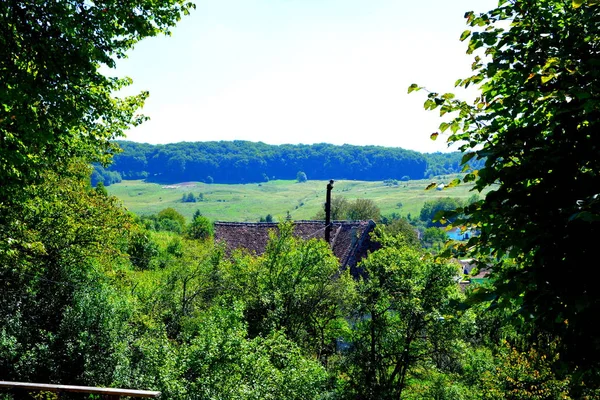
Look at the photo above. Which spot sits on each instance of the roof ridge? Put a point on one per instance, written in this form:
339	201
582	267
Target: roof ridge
300	221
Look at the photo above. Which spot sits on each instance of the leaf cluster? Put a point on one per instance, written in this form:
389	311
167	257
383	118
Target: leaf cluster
535	124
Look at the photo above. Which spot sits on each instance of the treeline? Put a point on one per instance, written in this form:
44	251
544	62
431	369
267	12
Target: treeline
245	162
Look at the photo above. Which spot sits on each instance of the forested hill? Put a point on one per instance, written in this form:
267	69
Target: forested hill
245	162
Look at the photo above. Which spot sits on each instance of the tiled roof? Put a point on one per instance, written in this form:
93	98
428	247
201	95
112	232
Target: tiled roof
350	240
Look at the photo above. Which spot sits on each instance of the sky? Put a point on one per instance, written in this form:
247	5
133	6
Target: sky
301	71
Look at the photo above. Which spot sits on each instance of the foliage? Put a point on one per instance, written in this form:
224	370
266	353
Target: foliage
267	218
104	176
535	122
245	162
172	214
525	375
301	177
222	363
401	321
339	209
199	298
434	238
200	228
168	219
56	104
356	210
60	317
191	198
401	226
296	286
430	213
141	248
363	209
432	384
100	189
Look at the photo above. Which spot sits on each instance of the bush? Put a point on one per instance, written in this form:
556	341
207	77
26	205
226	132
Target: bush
200	228
301	177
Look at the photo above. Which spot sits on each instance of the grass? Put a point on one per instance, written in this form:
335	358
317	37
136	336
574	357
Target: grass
249	202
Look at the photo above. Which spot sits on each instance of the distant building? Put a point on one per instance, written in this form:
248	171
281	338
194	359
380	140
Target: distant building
467	266
350	240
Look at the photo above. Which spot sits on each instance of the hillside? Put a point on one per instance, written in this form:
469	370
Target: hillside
250	162
249	202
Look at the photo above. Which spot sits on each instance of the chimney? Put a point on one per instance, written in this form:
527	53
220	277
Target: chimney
328	212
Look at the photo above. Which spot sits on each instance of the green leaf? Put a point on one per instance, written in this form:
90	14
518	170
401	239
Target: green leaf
429	104
470	177
585	216
547	78
413	88
465	35
467	157
469	15
434	136
578	3
454	127
454	182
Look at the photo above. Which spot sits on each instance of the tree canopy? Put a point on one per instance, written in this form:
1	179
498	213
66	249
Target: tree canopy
243	162
56	103
535	122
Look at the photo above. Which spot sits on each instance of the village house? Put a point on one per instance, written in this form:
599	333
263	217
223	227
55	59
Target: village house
350	240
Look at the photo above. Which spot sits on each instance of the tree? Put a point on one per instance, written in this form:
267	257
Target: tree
401	226
141	248
363	209
200	228
431	209
60	319
301	177
434	238
267	218
536	123
56	104
297	287
400	321
525	375
172	214
100	189
189	198
339	209
221	362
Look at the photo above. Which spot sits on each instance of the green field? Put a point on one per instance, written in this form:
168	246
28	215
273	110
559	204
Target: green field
249	202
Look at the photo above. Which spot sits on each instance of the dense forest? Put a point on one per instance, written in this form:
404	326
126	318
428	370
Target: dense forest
246	162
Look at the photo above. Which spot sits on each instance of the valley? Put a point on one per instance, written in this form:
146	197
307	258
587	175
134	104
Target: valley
250	202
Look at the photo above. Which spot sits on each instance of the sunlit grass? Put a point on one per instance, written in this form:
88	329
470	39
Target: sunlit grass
249	202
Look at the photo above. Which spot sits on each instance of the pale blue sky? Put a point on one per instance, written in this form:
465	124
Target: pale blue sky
301	71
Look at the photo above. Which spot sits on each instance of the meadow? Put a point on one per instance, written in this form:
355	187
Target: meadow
250	202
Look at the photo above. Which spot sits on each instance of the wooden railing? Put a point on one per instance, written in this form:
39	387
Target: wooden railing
106	393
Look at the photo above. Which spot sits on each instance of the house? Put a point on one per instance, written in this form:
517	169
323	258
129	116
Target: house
468	265
350	240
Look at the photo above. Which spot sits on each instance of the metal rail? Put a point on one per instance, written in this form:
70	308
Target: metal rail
106	393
